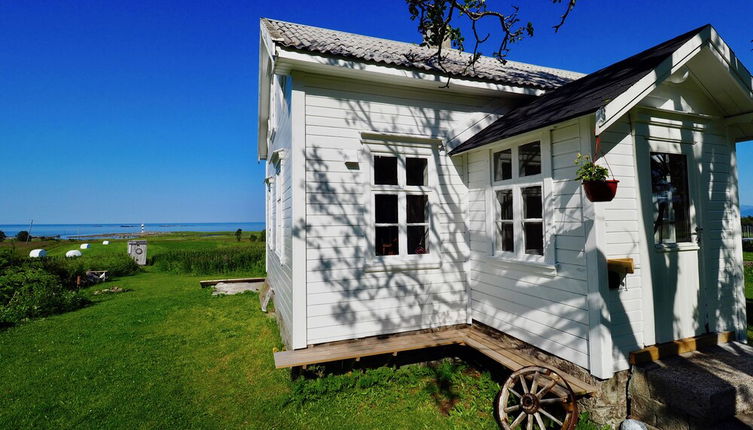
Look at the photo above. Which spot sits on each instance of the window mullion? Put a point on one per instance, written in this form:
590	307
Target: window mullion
402	218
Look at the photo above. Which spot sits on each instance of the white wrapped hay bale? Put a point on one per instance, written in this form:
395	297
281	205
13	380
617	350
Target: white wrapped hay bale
73	253
85	246
37	253
105	242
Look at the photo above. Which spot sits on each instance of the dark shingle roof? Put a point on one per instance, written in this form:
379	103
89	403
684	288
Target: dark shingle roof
581	97
364	48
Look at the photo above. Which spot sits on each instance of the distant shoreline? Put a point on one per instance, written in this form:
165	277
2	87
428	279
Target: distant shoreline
124	230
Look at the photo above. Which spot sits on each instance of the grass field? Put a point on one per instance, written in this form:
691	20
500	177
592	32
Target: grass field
166	354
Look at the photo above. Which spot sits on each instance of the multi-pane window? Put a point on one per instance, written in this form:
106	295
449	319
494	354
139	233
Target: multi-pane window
401	204
518	200
669	187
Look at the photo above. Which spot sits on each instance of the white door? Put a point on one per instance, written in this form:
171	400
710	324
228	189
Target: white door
675	238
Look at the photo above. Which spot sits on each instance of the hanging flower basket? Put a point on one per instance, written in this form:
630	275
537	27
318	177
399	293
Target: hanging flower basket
600	191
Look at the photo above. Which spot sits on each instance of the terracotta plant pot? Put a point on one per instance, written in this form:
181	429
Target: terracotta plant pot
600	191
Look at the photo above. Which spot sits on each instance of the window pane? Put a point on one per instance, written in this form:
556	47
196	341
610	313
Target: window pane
504	236
669	185
385	170
386	208
504	197
531	202
534	238
503	165
415	171
529	156
416	208
387	241
417	239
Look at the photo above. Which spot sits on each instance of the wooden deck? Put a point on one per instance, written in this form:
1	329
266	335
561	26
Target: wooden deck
511	358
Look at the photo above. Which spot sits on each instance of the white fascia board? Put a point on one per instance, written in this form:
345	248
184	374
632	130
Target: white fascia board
288	60
620	105
266	64
724	53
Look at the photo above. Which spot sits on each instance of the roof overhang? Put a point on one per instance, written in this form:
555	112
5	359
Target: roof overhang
266	66
288	60
736	85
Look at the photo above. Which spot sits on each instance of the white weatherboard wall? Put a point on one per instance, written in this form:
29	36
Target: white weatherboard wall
548	309
279	273
623	238
345	297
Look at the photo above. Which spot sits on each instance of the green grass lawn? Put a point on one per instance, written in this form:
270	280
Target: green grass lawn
169	355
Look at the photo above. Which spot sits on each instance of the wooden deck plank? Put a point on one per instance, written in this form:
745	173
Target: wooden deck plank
368	347
492	349
511	358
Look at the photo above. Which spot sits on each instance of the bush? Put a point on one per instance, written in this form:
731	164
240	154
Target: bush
22	236
2	236
30	292
210	261
747	245
68	269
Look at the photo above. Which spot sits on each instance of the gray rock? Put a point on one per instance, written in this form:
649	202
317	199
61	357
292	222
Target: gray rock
633	425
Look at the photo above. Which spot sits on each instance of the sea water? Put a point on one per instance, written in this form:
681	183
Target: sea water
101	230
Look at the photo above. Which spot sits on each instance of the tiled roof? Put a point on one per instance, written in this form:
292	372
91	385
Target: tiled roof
583	96
412	56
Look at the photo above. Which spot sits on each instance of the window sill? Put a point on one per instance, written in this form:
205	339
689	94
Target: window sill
676	247
398	263
535	267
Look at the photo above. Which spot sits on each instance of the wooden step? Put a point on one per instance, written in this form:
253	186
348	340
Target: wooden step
680	346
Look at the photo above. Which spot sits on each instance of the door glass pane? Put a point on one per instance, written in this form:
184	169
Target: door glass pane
504	198
415	171
417	239
387	240
529	156
534	238
385	170
669	187
531	202
385	208
416	208
503	165
505	241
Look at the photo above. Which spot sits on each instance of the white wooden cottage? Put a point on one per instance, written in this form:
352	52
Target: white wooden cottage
398	204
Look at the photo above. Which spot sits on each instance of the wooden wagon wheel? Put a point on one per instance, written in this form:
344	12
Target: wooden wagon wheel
536	398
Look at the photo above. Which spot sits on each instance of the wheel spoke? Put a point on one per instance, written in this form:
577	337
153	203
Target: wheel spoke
540	421
530	423
512	409
554	401
518	420
523	383
550	416
535	383
515	392
549	387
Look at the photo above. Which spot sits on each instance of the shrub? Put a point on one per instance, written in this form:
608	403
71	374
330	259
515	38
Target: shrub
747	245
252	237
22	236
29	292
2	236
263	236
238	234
220	260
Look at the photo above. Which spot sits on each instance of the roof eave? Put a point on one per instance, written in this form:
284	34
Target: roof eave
288	60
266	65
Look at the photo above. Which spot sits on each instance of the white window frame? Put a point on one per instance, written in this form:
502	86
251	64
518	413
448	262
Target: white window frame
403	148
516	183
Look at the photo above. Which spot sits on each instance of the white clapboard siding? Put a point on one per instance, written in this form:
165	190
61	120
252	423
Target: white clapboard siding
549	311
279	274
344	299
622	240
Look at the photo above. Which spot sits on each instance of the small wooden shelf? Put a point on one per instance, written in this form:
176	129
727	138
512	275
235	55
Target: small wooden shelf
620	265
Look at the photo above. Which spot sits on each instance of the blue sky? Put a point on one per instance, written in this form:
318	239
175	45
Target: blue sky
140	111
